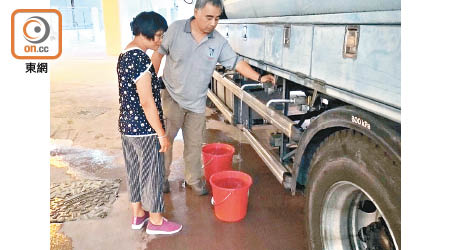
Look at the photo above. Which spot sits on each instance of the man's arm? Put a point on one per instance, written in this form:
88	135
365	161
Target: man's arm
164	48
156	60
228	58
247	71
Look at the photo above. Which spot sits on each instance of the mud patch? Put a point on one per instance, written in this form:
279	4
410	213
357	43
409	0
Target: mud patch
59	241
83	199
216	115
83	113
219	136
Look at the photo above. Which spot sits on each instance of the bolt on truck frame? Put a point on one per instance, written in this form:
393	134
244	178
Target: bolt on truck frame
331	126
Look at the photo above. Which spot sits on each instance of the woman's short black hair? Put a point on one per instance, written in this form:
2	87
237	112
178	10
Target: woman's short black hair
148	23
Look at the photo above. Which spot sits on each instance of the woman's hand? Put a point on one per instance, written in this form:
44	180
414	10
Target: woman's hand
164	142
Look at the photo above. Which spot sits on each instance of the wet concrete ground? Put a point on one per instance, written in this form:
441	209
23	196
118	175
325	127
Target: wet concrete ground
89	148
274	218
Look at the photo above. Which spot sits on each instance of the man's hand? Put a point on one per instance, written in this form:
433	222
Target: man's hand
247	71
268	78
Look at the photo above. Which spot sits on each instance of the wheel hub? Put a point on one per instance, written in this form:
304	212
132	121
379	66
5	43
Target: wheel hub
376	236
351	220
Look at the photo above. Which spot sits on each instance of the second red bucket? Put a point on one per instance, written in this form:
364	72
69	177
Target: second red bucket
217	157
230	195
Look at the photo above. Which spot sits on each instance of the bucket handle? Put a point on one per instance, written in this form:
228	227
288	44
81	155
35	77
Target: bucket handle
210	160
213	202
216	204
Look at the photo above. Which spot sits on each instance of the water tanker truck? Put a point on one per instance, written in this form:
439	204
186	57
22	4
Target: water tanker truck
330	128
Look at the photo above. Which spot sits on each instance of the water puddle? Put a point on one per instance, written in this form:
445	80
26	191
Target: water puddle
85	196
79	161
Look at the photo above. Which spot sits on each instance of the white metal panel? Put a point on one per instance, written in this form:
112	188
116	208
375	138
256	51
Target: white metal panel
375	73
273	47
297	57
253	44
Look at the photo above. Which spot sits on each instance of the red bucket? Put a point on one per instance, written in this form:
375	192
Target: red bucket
217	157
230	195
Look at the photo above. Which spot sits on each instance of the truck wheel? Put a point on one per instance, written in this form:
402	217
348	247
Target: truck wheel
353	195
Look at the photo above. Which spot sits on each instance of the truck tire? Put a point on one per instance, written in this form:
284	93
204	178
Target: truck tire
353	195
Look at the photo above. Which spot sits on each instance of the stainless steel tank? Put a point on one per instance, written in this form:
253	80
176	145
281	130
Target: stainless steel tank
272	8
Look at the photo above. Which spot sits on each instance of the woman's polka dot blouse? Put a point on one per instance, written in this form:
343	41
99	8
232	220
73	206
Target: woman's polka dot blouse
132	64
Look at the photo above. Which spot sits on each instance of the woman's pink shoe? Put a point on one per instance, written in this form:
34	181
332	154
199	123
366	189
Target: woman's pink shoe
138	222
167	227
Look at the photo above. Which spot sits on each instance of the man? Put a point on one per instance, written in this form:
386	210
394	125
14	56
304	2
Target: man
193	48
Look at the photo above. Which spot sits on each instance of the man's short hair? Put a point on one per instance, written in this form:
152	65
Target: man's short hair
199	4
148	23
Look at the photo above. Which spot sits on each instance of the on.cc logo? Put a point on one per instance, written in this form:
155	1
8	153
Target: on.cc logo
36	34
36	29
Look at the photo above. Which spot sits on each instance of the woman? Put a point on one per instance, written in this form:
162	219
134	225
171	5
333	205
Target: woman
141	125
